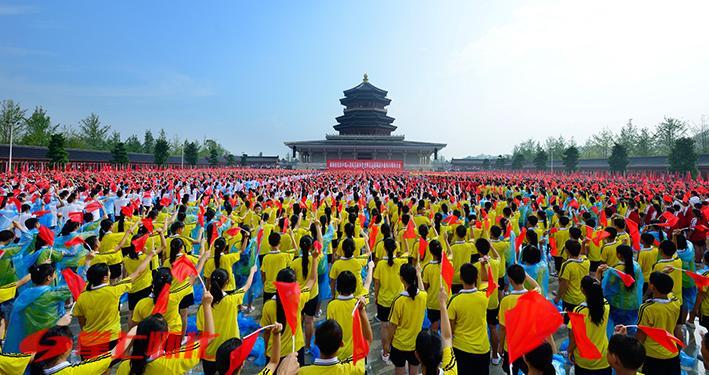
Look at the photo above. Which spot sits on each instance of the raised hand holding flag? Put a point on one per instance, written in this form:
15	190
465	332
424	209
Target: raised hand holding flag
74	282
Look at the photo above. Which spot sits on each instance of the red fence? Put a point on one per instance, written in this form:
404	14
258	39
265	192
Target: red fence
365	164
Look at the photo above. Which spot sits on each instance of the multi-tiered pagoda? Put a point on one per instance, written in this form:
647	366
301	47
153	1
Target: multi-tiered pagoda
365	134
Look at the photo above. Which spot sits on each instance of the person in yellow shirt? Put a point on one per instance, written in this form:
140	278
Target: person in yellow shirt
223	259
625	353
301	266
595	313
462	253
141	284
622	236
225	306
149	358
349	262
436	353
387	286
109	245
467	312
647	257
561	236
272	263
661	311
14	363
405	320
672	265
701	307
608	250
98	311
288	365
431	275
340	309
572	271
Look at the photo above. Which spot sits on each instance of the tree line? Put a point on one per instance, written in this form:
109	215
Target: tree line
37	129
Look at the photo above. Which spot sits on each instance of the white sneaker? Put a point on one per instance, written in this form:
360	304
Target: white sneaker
496	361
385	359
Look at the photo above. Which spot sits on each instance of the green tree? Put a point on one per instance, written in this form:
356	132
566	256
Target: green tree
600	144
93	134
148	142
517	161
618	161
55	151
541	159
12	120
500	162
161	151
213	156
644	143
119	154
570	158
701	135
133	144
243	159
191	153
486	164
230	159
683	157
38	128
628	137
526	148
667	132
113	140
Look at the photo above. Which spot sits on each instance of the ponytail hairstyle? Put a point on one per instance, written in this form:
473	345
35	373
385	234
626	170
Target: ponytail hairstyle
385	230
306	244
423	231
437	218
95	275
626	253
104	227
55	337
349	230
208	231
219	247
390	246
286	275
41	273
541	359
348	247
430	351
152	328
91	243
436	249
162	277
69	227
122	223
223	356
176	226
594	299
217	280
407	272
176	246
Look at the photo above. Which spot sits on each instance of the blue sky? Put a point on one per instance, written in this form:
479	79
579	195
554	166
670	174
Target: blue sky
479	76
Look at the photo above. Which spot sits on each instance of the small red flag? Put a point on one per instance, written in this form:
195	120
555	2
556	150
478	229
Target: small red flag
259	237
627	279
77	217
447	270
670	220
520	238
74	282
148	224
634	233
183	268
286	225
92	206
74	241
317	246
239	355
602	218
233	231
701	281
289	295
127	211
373	232
600	236
589	232
410	230
160	306
491	282
578	326
165	201
41	213
525	330
360	346
215	233
362	220
423	246
554	250
139	243
46	235
663	338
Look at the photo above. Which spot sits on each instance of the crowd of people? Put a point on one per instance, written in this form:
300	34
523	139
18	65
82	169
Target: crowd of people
443	259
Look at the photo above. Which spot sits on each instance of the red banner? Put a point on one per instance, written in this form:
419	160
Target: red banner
365	164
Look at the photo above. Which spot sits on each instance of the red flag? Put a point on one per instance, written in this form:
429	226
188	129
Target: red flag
183	268
74	282
602	218
360	346
259	237
633	232
92	206
410	230
599	236
286	225
233	231
447	270
589	232
663	338
162	301
46	235
578	326
373	231
574	204
74	241
165	201
139	243
41	213
554	250
148	224
289	295
491	282
317	246
77	217
215	233
627	279
525	330
362	220
670	220
520	238
701	281
239	355
127	211
423	246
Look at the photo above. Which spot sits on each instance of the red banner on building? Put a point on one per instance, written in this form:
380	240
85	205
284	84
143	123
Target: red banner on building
365	164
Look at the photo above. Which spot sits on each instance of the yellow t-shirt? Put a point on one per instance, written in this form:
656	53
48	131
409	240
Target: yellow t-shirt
145	279
462	251
597	335
177	362
561	237
676	274
225	321
501	247
390	285
468	310
96	365
107	252
8	292
407	315
333	367
594	252
704	309
14	363
183	285
573	270
448	363
226	261
340	309
608	252
647	259
353	265
100	309
507	303
144	309
494	264
297	265
269	317
663	314
272	263
431	275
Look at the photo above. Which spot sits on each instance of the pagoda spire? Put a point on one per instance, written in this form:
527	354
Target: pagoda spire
366	78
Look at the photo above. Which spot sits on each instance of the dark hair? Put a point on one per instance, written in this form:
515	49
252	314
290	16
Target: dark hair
219	247
176	245
217	280
629	351
482	245
40	272
461	231
435	248
6	235
31	223
69	227
223	356
390	246
540	358
95	275
274	239
286	275
647	238
575	233
328	337
52	338
346	283
408	273
573	247
162	277
469	274
668	248
662	282
306	243
430	350
348	247
516	273
145	342
626	252
594	299
531	255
